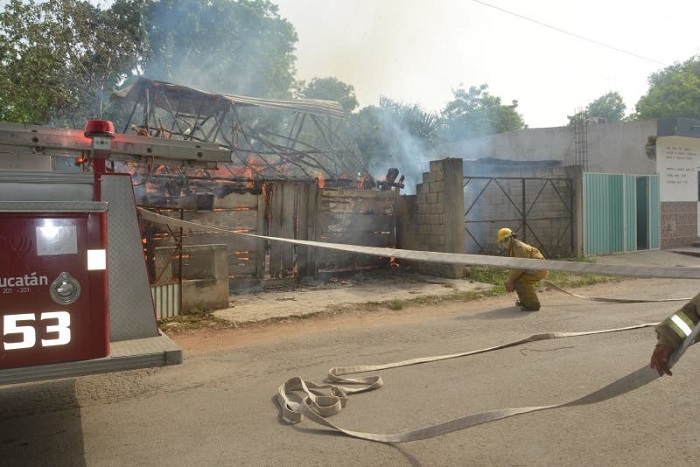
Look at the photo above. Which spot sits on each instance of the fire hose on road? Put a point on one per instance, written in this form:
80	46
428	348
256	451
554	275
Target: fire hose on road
613	300
322	400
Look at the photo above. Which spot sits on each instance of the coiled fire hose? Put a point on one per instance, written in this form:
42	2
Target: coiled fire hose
322	400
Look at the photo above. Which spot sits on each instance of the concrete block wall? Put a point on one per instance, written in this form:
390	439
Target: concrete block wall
433	218
679	223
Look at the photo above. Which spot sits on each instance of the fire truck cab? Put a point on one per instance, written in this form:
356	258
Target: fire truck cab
74	292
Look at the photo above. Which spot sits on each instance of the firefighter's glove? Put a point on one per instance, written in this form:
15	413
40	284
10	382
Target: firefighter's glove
659	359
510	285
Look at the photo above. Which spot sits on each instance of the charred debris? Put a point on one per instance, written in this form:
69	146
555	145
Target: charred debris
269	140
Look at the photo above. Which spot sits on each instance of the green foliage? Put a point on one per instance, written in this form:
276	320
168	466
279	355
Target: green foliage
401	135
61	58
673	92
487	275
393	134
475	112
609	107
31	72
194	319
225	46
499	276
330	89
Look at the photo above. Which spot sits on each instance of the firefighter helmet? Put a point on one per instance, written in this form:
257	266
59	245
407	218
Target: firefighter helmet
504	234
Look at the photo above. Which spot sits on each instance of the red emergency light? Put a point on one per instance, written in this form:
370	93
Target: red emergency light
99	128
101	132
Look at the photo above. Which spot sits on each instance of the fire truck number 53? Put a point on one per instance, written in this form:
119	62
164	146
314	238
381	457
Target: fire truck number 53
54	324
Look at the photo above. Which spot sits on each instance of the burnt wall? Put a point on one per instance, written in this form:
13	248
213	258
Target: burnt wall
356	217
244	255
289	209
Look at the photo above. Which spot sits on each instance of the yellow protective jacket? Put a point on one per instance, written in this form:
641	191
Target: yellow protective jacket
673	330
520	249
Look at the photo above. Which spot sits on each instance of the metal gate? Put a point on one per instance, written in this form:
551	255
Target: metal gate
621	213
539	210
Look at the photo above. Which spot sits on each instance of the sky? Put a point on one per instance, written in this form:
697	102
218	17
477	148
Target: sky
553	56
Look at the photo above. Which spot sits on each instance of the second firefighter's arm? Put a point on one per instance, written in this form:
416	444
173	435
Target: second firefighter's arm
671	333
673	330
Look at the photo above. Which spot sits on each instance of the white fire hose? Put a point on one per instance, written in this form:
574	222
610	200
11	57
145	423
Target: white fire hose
322	400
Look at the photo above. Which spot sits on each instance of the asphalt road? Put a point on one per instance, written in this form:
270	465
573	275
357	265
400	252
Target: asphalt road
218	407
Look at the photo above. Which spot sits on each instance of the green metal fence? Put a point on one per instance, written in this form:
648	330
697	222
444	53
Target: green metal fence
620	213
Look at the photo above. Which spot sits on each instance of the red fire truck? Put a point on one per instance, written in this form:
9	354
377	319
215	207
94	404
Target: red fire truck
74	292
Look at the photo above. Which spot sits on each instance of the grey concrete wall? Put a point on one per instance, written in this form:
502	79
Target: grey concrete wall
205	274
210	292
612	147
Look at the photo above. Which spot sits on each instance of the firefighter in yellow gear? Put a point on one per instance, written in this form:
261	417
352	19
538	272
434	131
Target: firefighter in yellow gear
671	333
522	280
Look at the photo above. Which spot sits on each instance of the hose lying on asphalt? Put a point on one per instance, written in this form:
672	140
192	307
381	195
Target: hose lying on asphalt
613	300
322	400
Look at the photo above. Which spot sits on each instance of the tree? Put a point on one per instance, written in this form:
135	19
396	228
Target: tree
330	89
30	74
475	112
226	46
105	47
61	57
610	107
673	92
395	135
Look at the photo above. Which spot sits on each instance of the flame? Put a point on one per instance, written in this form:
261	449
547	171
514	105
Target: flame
393	263
249	176
321	181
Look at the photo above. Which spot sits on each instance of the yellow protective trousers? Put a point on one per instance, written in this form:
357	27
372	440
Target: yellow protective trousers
525	288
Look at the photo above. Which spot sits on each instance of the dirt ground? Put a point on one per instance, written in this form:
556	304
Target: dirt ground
370	297
340	293
305	310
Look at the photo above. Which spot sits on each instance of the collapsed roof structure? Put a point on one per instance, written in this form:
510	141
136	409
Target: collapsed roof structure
269	139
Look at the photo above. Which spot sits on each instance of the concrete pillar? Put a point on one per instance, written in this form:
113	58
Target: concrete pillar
453	201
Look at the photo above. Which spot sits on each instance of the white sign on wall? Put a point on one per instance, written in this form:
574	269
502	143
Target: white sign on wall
678	164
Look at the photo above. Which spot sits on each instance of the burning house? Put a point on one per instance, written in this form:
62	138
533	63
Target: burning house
270	140
290	175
